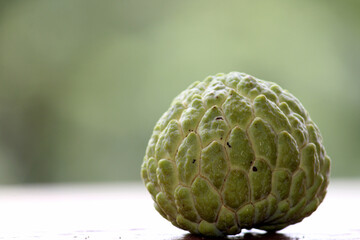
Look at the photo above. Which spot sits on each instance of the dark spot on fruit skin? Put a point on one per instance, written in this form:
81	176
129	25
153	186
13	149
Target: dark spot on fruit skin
194	160
219	118
227	143
254	169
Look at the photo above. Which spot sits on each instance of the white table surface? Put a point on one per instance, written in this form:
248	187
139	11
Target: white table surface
125	211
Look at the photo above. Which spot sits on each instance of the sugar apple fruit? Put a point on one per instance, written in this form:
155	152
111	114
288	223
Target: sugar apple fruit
235	152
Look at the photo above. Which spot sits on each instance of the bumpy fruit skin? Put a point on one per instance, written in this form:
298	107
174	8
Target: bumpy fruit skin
234	152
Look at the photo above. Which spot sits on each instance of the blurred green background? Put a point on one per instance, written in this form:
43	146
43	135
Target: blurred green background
84	82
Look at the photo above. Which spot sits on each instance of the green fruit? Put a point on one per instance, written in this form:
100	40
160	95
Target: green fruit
234	152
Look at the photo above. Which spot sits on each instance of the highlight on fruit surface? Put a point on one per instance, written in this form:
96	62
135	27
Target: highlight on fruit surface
235	152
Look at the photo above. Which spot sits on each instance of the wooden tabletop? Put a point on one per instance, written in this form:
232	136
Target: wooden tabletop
125	211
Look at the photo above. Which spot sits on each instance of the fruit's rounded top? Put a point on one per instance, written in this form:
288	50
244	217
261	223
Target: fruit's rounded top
234	152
